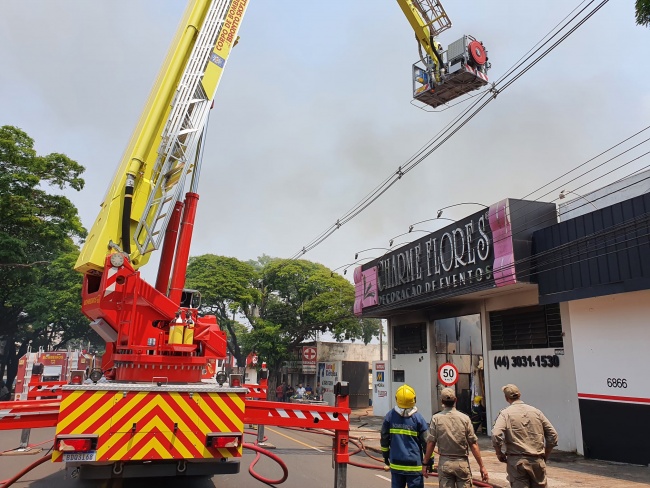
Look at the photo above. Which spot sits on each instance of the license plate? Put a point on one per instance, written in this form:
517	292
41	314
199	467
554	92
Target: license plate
79	456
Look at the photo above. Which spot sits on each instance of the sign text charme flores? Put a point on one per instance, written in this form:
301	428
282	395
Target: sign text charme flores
456	257
472	254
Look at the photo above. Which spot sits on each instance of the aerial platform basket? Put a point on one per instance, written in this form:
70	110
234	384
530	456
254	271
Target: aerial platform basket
465	65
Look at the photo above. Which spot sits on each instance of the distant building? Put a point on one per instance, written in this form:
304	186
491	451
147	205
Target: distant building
330	362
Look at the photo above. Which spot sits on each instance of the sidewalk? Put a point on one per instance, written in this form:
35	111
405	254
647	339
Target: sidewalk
563	469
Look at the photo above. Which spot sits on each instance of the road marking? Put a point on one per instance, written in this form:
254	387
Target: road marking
427	483
294	440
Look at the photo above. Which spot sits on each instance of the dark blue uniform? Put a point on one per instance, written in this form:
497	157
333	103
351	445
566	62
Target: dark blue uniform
403	442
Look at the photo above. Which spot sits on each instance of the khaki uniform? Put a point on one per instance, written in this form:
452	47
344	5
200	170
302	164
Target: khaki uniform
524	430
453	433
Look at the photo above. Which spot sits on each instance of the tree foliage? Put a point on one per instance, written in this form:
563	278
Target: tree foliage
56	317
643	12
37	232
227	287
282	303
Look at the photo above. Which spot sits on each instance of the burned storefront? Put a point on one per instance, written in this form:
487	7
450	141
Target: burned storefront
464	295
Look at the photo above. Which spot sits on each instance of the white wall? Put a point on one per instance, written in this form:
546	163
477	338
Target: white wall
346	351
611	339
417	372
583	203
548	388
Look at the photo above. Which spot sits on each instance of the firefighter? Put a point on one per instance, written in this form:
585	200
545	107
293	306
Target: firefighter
453	433
528	438
478	415
4	392
403	438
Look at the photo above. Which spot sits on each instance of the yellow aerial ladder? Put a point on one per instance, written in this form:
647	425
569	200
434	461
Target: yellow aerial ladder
165	146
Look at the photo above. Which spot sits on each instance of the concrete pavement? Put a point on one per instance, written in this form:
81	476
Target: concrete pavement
563	469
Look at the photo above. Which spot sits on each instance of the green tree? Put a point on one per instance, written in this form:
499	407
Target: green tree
56	313
307	298
270	306
37	226
227	287
643	12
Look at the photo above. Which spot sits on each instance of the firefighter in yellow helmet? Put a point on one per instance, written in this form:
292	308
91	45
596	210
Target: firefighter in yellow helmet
478	415
403	440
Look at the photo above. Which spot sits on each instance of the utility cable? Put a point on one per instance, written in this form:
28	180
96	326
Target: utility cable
536	222
390	181
554	258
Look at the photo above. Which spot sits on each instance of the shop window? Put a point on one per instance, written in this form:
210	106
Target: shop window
459	335
526	328
410	339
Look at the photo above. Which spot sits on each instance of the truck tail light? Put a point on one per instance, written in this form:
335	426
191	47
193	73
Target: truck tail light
224	440
74	445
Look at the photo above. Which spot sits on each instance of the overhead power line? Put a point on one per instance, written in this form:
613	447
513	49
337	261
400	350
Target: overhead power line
453	127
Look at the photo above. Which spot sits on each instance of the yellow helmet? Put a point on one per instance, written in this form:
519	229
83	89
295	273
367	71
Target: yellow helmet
405	397
477	399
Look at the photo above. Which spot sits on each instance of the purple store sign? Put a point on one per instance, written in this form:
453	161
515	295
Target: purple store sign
473	254
504	257
365	288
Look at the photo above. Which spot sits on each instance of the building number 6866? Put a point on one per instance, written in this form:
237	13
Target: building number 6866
617	382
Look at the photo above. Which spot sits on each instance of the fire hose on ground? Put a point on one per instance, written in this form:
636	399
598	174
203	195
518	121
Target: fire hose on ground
358	443
360	447
17	476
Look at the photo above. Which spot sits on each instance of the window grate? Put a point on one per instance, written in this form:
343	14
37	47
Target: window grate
527	328
410	339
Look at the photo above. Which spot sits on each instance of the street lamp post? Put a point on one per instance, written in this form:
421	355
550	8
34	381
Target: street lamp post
563	195
430	220
356	254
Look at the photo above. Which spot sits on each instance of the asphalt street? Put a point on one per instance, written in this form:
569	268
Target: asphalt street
307	456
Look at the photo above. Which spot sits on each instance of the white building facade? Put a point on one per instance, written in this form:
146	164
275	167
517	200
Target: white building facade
560	310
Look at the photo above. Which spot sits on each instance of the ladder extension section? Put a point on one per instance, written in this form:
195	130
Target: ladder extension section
434	15
179	148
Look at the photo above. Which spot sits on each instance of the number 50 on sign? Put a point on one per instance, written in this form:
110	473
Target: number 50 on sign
448	374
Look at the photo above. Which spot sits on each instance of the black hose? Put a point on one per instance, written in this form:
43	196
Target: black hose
126	216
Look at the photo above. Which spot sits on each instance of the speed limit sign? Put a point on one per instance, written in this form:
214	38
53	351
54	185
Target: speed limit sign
448	374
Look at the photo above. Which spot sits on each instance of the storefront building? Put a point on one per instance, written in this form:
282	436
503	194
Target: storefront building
596	264
512	295
466	295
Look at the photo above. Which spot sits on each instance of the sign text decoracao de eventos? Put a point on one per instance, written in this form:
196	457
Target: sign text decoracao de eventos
453	257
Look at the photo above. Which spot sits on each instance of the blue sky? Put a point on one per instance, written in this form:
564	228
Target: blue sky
314	110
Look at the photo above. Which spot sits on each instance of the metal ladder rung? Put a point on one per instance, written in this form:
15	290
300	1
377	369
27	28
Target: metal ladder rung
187	131
180	136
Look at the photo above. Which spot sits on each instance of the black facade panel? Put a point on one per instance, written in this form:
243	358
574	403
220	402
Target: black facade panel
526	217
628	444
356	374
604	252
